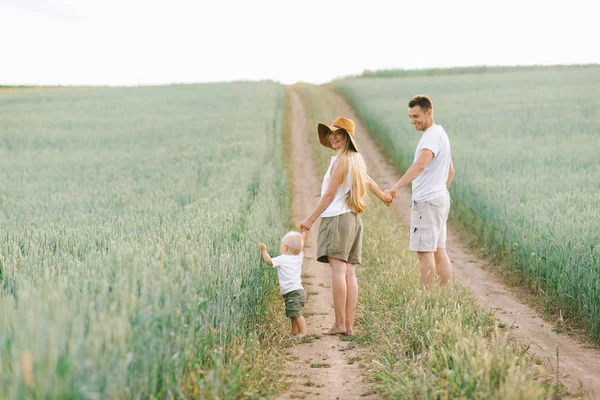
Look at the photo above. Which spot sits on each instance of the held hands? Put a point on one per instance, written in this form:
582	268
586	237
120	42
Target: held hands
306	224
389	196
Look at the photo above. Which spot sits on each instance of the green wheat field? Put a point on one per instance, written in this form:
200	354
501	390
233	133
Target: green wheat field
127	220
525	147
130	218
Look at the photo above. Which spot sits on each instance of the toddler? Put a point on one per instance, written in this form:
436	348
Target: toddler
289	271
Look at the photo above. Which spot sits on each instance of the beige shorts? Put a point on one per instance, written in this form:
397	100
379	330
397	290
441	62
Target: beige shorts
428	224
340	237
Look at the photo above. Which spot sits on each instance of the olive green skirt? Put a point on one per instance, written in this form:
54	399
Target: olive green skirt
340	237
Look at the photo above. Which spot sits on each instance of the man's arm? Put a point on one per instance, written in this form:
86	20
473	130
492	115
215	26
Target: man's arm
450	175
414	171
265	255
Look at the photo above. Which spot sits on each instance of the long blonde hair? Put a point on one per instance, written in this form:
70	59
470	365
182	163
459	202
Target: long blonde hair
357	197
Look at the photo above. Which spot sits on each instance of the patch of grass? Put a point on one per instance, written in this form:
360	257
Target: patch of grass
320	365
348	347
310	383
369	393
434	342
354	359
310	338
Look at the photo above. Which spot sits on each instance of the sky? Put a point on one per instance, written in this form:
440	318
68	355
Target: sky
135	42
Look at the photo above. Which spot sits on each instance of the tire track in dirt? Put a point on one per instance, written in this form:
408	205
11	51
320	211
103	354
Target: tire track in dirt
578	362
326	368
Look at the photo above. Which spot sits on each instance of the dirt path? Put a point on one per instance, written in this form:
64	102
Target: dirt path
326	368
578	362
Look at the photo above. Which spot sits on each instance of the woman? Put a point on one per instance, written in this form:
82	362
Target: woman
343	195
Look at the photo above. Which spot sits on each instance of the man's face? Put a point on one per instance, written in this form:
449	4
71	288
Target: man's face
419	118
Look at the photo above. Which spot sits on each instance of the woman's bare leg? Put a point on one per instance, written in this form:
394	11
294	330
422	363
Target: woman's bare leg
339	291
351	298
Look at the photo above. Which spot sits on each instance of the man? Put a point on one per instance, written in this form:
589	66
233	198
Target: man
431	175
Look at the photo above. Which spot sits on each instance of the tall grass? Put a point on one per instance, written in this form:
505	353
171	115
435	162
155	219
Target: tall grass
129	219
525	147
439	346
482	69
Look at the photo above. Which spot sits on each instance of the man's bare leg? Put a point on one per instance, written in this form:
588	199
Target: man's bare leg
426	269
443	266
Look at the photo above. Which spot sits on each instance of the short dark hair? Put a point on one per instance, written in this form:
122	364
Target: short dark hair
422	101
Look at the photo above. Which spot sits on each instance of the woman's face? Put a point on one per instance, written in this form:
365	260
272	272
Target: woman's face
337	139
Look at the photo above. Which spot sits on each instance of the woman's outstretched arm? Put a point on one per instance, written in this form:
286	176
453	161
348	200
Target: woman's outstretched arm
374	188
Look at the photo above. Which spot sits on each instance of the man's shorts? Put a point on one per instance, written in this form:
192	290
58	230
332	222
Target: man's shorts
428	224
294	303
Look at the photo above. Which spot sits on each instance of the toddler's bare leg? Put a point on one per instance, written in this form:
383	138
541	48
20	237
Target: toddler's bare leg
301	325
294	326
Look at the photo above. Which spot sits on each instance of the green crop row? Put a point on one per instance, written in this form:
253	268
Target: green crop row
129	218
525	148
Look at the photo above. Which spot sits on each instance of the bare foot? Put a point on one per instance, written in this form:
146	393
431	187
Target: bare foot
300	335
349	332
335	329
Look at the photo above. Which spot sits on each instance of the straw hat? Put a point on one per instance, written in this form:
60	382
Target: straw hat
340	123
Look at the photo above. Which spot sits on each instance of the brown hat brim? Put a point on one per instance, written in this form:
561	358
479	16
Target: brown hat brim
324	131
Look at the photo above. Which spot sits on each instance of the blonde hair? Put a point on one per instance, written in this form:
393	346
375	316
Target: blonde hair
294	242
357	197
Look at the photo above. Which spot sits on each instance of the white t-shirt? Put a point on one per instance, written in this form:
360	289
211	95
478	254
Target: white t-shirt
338	205
432	181
289	271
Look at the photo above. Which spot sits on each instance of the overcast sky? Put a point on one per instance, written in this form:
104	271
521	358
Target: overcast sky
129	42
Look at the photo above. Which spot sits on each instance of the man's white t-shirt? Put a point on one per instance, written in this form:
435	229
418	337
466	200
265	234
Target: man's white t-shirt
289	271
431	183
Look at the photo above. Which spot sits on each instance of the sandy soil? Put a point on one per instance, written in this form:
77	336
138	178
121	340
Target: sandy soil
579	363
342	377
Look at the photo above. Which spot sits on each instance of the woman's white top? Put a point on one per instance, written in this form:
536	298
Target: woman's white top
338	205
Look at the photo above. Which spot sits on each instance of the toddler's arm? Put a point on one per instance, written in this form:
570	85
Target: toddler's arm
265	255
304	239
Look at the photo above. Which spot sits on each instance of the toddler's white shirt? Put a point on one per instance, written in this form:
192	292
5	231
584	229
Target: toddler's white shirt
289	271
